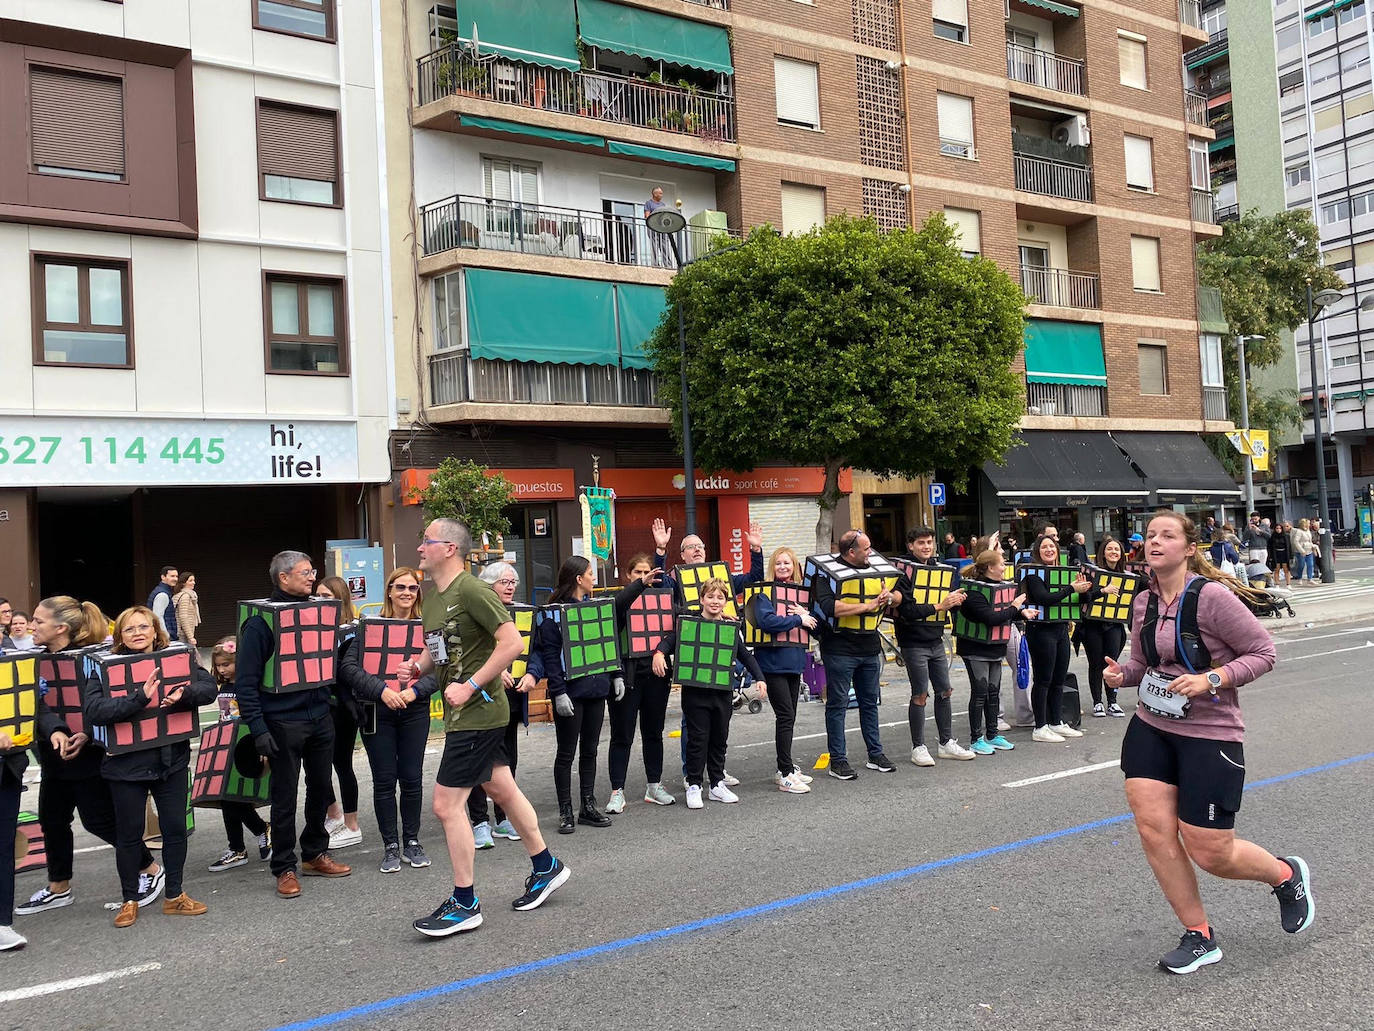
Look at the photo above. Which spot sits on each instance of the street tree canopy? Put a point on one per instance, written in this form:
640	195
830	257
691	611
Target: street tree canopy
845	346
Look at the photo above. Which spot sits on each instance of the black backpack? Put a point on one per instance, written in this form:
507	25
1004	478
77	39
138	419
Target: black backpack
1188	643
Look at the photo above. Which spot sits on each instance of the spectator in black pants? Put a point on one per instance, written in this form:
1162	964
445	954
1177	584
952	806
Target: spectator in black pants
292	730
1103	639
13	762
341	821
160	770
236	815
782	666
1049	645
645	703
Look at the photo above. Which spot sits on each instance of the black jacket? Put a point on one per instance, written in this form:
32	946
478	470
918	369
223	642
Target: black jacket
147	764
15	762
745	657
256	707
1039	595
367	688
84	765
548	643
979	610
909	620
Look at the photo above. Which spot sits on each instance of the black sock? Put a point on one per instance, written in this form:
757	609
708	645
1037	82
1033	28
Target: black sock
464	896
542	861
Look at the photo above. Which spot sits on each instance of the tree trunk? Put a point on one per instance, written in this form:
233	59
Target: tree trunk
829	499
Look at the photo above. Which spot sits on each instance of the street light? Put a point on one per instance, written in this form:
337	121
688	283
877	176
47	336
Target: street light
1245	421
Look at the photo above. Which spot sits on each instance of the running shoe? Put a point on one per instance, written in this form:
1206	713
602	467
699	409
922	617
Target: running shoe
920	756
150	887
11	939
841	770
981	747
264	842
450	918
730	782
694	797
1116	711
539	886
1296	906
1195	949
43	900
951	749
722	793
1045	734
1099	710
481	836
797	774
1000	743
881	763
617	802
1064	730
792	786
415	855
658	795
391	860
505	829
1002	725
230	859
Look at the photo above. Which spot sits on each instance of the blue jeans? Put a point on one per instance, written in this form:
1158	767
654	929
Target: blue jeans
1307	566
860	671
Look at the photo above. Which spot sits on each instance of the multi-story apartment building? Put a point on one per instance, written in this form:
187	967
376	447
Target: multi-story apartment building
1056	136
192	269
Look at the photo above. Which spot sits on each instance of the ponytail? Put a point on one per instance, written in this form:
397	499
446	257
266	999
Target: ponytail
1200	563
85	623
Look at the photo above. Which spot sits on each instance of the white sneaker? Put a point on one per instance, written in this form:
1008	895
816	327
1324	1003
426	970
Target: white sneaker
722	793
920	755
1064	730
1046	734
11	939
694	797
658	795
1002	725
798	775
617	802
729	781
343	838
792	786
951	749
333	825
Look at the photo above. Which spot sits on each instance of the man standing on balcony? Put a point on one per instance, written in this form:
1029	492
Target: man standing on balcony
661	248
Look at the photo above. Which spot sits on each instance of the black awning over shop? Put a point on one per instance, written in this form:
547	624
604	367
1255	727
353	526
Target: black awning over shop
1065	470
1179	469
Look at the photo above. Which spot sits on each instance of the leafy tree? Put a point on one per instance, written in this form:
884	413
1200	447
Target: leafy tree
846	346
464	490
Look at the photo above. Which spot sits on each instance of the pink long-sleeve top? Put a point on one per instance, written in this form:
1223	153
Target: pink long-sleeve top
1234	638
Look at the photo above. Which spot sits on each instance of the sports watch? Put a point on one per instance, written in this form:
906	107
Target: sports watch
1213	681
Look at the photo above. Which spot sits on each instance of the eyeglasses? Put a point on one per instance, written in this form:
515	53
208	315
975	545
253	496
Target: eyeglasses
405	587
141	628
426	541
508	583
309	573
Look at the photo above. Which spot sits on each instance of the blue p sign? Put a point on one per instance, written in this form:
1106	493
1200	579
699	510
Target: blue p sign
937	494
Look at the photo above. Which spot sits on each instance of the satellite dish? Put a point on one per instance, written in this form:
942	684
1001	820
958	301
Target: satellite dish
666	221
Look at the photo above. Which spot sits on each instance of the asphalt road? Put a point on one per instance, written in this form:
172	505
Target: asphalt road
979	904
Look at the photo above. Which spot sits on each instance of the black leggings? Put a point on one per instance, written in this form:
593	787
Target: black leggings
645	703
11	786
578	735
477	800
707	712
345	737
237	816
1101	641
985	696
396	754
59	800
782	696
130	804
1049	649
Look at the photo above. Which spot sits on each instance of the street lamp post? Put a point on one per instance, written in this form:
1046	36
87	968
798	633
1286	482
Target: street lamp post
1321	300
1245	425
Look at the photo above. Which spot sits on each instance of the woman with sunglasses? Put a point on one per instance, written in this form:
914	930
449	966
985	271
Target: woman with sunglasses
342	819
396	749
160	770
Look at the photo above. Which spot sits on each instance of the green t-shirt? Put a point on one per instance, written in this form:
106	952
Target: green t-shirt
467	616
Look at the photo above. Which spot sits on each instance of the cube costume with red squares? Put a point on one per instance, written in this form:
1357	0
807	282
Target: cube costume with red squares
30	852
64	675
218	780
783	595
388	643
153	726
649	619
304	638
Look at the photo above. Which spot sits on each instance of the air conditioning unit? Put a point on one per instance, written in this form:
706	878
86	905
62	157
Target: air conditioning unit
1073	132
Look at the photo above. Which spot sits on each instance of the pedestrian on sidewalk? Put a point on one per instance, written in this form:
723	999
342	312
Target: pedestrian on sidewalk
1304	549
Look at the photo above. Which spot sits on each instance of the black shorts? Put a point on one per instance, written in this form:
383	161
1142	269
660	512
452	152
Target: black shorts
470	756
1209	774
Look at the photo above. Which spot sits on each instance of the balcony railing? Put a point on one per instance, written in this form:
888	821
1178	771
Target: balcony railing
1060	286
608	98
1202	206
1190	13
1053	178
1214	403
1230	213
455	377
1042	68
1215	47
1195	106
480	223
1065	399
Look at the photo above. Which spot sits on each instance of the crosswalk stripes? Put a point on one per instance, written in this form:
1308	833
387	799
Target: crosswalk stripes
1341	589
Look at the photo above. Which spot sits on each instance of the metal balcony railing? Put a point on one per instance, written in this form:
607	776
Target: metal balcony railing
1043	68
1190	13
1065	399
719	5
1230	213
452	70
481	223
1214	403
1060	286
1052	178
1202	206
455	377
1195	106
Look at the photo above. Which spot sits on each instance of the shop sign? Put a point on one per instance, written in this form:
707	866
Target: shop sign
668	483
529	484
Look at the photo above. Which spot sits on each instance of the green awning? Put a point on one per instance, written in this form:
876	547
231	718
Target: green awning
657	37
1221	144
1050	5
1065	352
539	31
520	129
675	157
1214	56
519	317
1313	15
641	308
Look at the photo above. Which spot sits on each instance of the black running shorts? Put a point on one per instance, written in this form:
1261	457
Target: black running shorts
470	756
1209	774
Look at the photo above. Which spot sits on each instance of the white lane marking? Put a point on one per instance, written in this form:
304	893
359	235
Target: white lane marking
87	981
847	730
1323	637
1337	651
1062	774
90	848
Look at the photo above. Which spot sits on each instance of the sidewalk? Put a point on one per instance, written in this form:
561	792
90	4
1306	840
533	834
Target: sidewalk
1351	597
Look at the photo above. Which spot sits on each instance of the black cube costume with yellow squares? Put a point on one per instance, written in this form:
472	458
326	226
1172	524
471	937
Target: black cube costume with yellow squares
691	578
856	584
1099	604
19	698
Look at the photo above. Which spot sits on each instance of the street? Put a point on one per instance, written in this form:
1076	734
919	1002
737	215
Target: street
990	893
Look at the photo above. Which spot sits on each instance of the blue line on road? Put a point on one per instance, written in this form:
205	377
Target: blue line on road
649	937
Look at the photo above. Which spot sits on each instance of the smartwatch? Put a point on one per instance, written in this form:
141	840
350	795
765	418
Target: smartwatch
1213	681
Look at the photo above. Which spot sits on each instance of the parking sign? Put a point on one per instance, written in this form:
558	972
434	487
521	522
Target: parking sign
937	494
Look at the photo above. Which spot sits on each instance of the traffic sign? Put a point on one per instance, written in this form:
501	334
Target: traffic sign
937	495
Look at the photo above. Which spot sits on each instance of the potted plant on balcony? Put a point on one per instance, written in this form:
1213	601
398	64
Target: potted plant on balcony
463	490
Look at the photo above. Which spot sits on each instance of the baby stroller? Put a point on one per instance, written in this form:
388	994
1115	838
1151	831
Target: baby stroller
740	697
1266	600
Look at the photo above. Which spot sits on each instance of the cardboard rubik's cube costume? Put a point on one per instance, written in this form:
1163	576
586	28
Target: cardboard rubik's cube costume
853	584
648	621
705	653
999	594
930	585
64	673
1056	578
30	851
387	643
1112	609
523	617
690	579
153	726
783	594
19	698
218	779
590	643
304	636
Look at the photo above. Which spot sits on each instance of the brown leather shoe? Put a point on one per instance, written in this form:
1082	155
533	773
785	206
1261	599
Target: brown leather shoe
323	865
128	913
287	885
184	905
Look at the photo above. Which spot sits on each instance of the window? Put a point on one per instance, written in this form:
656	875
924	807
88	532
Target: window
510	180
798	92
1286	38
1198	164
1298	174
955	115
81	312
968	230
311	18
1211	360
1145	262
1140	170
802	207
1354	12
1316	26
305	324
1154	366
1290	83
1293	128
951	19
1327	117
448	311
1321	71
298	154
1130	50
77	124
1343	209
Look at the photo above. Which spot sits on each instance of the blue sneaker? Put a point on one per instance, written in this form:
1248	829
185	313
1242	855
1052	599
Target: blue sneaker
981	747
1000	743
450	918
481	836
539	886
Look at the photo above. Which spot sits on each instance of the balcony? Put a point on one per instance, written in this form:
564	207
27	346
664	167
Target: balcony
1230	213
1202	206
1225	126
1065	399
1195	106
1052	178
1190	13
455	378
1215	48
1214	404
481	223
1060	287
452	71
1042	68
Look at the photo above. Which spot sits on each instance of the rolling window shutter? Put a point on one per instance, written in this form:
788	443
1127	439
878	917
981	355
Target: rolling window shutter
954	11
796	86
298	143
955	117
77	121
1145	262
1140	162
967	227
1131	53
